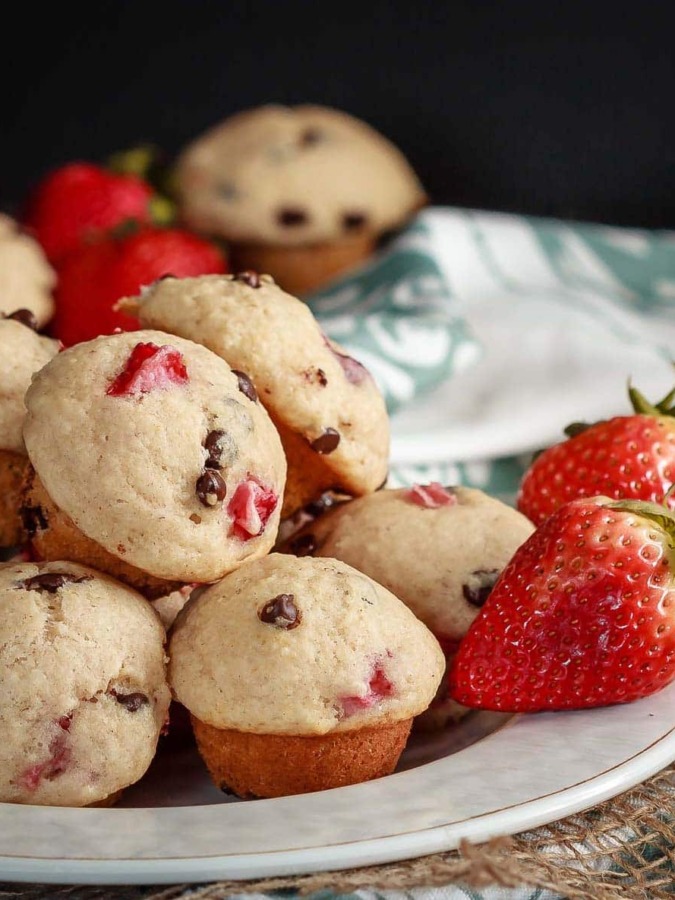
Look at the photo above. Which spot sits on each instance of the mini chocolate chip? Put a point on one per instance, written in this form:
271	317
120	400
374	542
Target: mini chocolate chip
292	217
249	277
352	221
246	385
214	445
310	136
281	612
326	442
325	501
25	317
50	582
33	519
478	589
316	376
226	191
303	545
211	488
131	702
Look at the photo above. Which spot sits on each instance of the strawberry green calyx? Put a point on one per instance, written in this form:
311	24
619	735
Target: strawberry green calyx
660	515
643	407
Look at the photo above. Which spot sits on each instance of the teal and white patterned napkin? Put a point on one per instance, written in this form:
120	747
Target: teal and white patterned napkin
489	333
398	317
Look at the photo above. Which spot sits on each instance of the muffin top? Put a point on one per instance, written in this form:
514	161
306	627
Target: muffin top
157	451
27	280
438	549
301	646
22	352
83	692
293	176
309	385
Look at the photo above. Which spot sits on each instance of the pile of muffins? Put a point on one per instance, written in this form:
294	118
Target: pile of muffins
196	521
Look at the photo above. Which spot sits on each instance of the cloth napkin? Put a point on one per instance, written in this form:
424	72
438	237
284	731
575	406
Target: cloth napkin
490	332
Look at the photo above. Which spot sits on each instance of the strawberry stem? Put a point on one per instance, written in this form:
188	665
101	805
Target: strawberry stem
646	509
641	405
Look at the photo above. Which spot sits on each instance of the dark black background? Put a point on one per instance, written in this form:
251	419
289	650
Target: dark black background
548	108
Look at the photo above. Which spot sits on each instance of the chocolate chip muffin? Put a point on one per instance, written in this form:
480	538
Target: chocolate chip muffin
151	460
27	280
329	413
300	675
304	193
440	550
22	352
83	691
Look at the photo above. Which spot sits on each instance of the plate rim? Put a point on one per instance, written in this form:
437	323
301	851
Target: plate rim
245	866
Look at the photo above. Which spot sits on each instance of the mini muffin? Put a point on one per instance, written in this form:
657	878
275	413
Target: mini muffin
83	690
440	550
22	352
329	412
304	193
149	462
300	675
27	280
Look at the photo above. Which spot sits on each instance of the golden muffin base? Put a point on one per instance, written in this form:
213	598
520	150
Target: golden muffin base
278	765
54	536
307	475
13	468
301	270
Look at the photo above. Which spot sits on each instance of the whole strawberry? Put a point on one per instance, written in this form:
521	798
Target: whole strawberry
629	456
79	200
582	616
93	278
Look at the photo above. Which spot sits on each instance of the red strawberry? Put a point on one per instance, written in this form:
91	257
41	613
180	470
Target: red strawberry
583	615
624	457
149	368
93	278
80	200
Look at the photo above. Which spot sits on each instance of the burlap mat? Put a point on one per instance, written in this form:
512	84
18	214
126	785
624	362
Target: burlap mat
624	848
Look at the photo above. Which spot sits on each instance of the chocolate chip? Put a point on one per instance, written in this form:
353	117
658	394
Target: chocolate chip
246	385
249	277
50	582
215	443
321	504
290	218
132	702
303	545
33	519
352	221
326	442
226	191
211	488
310	136
478	588
25	317
281	612
316	376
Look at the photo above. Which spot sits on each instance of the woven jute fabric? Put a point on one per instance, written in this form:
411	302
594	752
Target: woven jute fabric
624	848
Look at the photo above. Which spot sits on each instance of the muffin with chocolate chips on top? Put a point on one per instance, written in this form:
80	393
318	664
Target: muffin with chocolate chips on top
83	688
22	353
300	675
151	461
440	550
329	412
304	193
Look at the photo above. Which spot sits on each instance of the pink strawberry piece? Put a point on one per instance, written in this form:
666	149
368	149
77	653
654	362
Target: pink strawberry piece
55	765
250	508
355	372
431	496
379	688
149	368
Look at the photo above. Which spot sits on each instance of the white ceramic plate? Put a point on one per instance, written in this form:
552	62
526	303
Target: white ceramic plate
492	775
